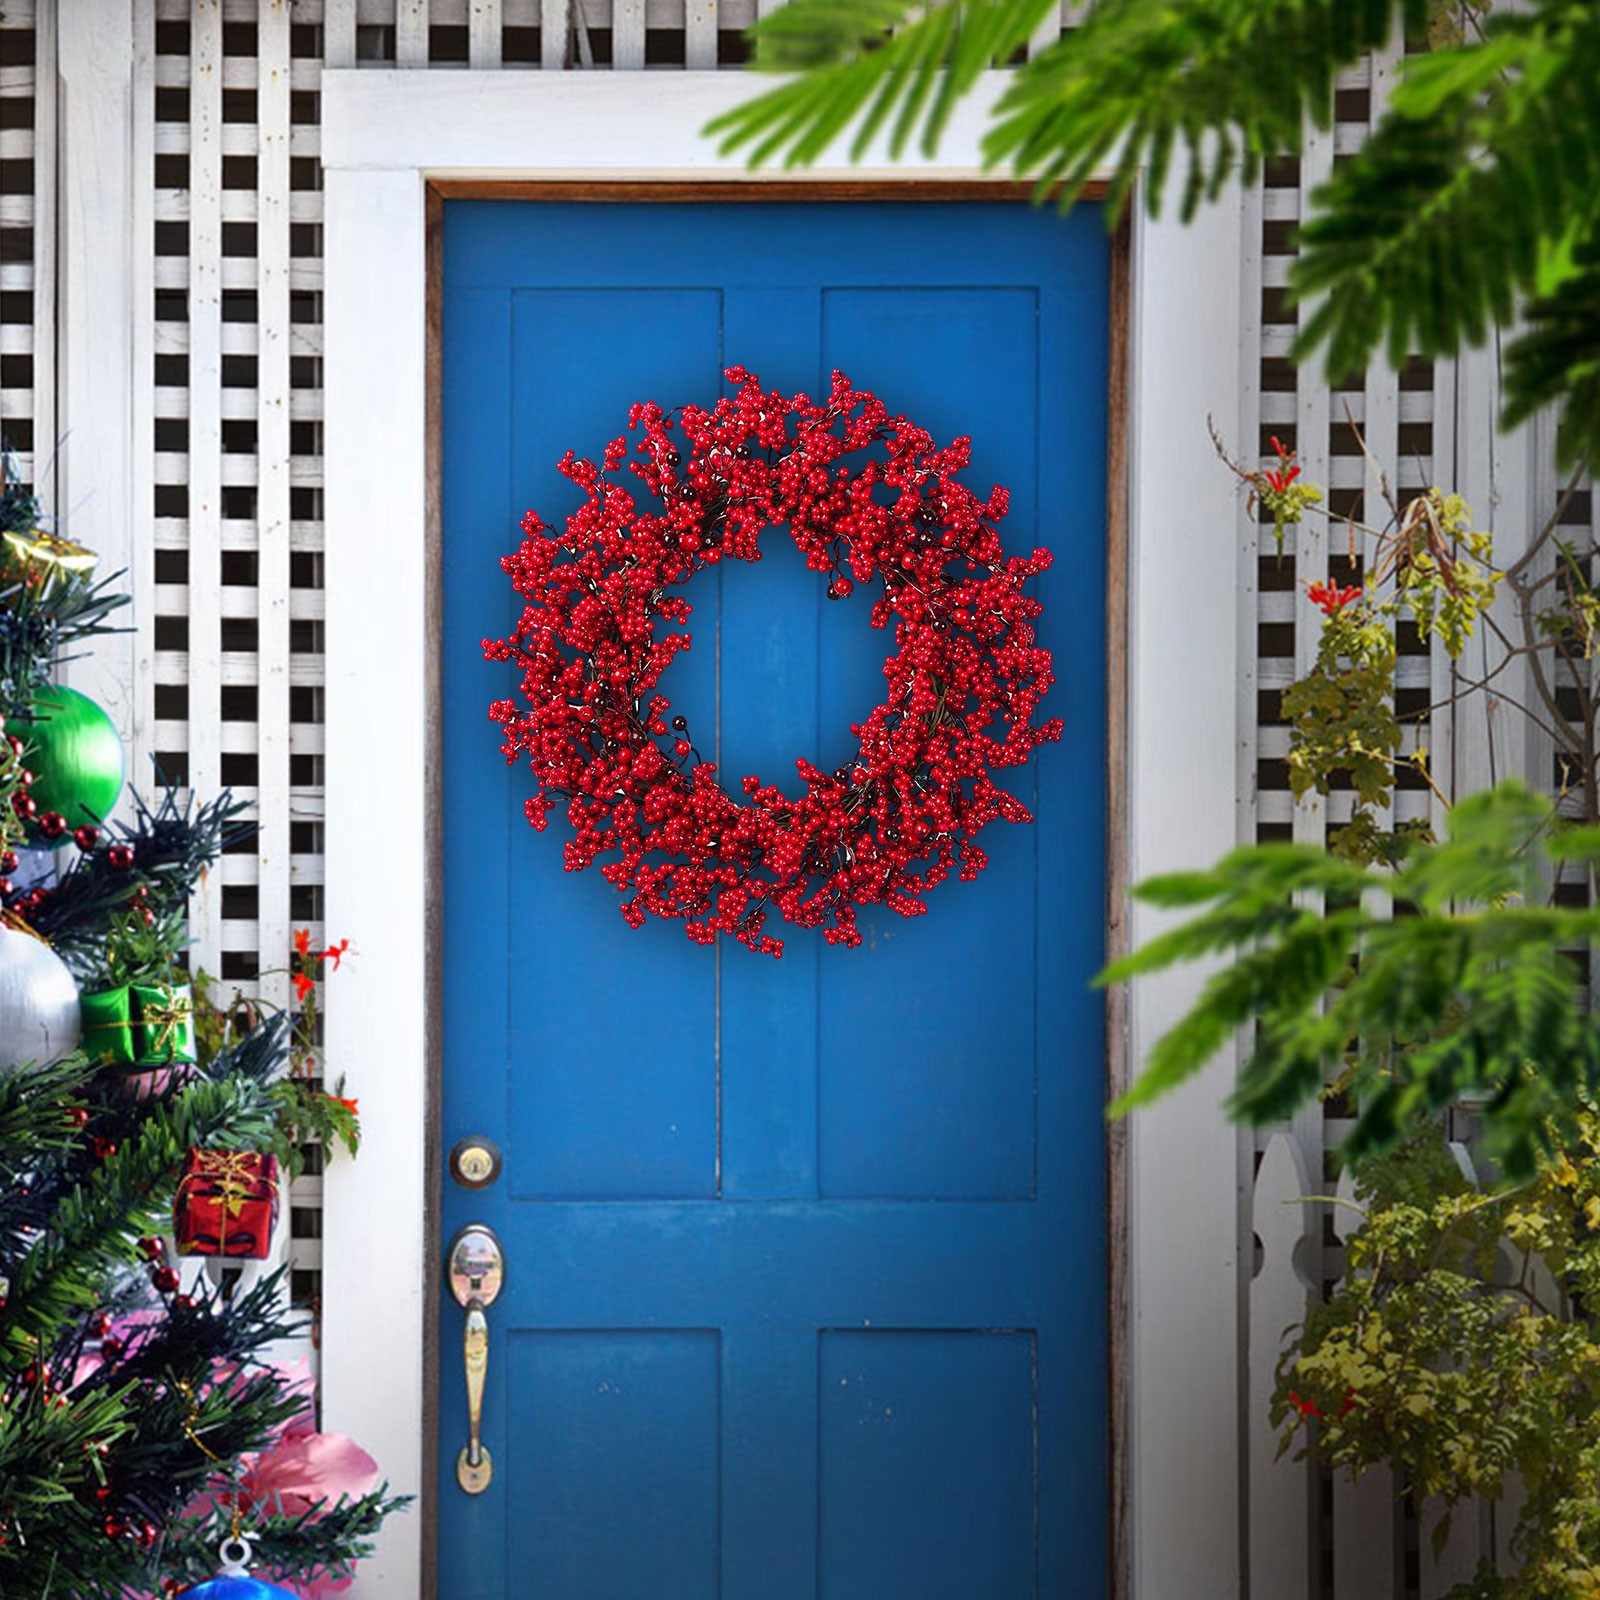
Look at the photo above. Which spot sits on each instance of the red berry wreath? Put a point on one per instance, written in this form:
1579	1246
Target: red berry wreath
963	682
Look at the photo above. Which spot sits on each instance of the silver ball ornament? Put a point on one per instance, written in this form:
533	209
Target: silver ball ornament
38	1001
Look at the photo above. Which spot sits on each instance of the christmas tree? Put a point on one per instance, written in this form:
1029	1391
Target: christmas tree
142	1419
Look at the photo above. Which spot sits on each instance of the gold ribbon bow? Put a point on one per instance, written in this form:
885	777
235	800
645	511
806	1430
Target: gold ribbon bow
169	1014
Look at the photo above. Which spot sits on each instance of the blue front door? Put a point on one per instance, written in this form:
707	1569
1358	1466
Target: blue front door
805	1259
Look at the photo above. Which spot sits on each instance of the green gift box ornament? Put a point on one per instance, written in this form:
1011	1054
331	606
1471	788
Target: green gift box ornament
140	1025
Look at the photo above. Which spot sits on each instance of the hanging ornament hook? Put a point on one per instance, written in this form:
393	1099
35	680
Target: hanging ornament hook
235	1553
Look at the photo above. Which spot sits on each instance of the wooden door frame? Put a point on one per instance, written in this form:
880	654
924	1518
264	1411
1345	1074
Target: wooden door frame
396	145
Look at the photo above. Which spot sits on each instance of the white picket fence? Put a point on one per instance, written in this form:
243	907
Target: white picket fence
161	314
1316	1534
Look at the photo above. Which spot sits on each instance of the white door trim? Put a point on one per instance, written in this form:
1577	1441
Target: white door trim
384	135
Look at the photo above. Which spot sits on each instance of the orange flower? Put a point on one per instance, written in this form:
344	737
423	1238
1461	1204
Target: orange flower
303	985
302	940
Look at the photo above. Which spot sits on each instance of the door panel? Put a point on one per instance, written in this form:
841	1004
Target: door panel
805	1258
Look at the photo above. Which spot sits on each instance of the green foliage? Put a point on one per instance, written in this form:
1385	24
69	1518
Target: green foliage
1443	978
1460	1349
1476	197
1342	710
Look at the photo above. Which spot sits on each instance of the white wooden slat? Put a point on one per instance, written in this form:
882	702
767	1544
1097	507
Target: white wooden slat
246	739
1312	412
142	412
46	429
554	18
234	667
239	338
1280	1490
240	404
627	35
339	33
411	33
483	34
172	533
1367	1527
242	869
1247	527
700	35
240	601
273	589
93	474
204	462
238	138
237	469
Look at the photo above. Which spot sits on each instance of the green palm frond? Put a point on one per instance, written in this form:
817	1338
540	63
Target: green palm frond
1434	230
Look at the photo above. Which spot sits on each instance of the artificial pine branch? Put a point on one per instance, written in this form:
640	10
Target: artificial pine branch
172	844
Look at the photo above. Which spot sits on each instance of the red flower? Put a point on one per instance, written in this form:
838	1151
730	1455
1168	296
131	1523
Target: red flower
303	985
1279	478
1347	1405
1331	598
1306	1408
334	951
302	940
351	1106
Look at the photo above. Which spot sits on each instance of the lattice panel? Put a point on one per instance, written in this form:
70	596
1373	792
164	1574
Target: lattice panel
27	242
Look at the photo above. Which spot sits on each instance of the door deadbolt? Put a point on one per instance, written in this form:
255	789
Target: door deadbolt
475	1162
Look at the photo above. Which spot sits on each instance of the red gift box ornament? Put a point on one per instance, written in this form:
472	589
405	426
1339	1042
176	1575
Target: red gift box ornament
227	1204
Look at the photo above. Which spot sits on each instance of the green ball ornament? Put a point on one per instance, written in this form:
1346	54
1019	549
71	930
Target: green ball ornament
76	758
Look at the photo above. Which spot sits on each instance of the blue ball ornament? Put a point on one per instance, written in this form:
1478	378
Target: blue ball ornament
227	1588
234	1582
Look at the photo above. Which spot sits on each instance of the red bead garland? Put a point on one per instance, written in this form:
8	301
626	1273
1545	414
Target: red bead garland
963	683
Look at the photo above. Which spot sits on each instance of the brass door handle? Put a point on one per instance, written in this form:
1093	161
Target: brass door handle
475	1349
476	1271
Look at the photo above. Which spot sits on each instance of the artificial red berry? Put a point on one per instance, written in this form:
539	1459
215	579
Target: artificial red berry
52	824
111	1349
86	837
120	856
165	1279
152	1248
9	861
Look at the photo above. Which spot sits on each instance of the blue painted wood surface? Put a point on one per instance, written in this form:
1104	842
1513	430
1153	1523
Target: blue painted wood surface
805	1295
